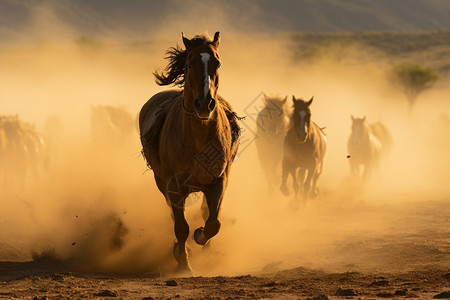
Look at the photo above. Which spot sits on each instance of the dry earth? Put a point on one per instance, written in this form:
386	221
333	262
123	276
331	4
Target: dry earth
412	260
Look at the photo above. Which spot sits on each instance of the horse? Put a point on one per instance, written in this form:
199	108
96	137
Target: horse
305	145
367	145
111	124
271	128
23	149
190	137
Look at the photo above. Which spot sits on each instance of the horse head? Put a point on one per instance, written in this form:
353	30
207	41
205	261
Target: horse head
358	129
273	116
201	74
301	117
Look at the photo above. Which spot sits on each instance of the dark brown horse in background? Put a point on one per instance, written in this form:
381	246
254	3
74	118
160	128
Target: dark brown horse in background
190	137
272	123
304	149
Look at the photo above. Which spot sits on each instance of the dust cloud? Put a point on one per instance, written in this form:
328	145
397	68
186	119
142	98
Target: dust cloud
97	206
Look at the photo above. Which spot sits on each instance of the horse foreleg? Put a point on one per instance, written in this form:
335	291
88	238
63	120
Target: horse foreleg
204	209
313	193
181	232
307	184
354	167
286	170
367	172
214	194
300	181
176	200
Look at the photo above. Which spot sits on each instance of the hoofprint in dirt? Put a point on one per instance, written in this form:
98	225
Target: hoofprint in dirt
40	280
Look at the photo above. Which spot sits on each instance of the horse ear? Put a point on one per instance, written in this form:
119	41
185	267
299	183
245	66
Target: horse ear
353	118
310	100
186	41
216	40
285	99
364	118
293	99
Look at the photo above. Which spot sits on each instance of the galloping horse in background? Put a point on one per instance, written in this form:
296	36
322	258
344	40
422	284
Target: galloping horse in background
190	137
111	124
304	149
272	122
367	145
22	149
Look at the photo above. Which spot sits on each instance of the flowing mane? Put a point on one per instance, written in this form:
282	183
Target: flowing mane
174	72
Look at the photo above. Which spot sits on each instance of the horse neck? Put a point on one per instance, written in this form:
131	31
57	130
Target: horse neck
365	136
274	124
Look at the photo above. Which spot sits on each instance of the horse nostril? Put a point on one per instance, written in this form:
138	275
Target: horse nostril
197	104
212	104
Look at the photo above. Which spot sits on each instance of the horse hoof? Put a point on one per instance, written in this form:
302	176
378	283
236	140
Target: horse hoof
199	236
177	252
185	270
285	191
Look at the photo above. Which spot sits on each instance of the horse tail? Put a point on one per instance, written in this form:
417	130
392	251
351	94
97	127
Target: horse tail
384	136
321	139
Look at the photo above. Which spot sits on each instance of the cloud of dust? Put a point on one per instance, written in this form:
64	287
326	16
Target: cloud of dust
98	208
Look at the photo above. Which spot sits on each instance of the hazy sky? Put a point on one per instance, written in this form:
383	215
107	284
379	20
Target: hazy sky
141	19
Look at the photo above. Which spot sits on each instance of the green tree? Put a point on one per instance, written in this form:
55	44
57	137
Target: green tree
414	79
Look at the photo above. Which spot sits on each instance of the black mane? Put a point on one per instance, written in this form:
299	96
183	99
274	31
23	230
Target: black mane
174	71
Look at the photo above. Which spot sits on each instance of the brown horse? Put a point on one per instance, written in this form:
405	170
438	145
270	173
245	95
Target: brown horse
22	149
367	145
190	137
272	122
304	149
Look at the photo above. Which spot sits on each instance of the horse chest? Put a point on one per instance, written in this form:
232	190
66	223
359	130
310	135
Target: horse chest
210	162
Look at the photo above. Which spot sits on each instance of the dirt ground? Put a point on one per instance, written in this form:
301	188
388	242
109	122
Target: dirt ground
411	261
110	230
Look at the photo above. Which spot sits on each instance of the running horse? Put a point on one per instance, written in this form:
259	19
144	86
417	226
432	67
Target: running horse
22	150
367	146
272	122
190	138
305	145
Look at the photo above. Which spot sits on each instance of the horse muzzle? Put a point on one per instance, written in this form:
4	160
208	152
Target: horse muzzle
204	108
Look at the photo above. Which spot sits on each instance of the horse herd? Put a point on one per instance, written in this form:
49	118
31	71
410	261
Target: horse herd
190	137
27	153
290	139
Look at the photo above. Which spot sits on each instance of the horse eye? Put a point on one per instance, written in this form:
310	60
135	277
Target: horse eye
189	66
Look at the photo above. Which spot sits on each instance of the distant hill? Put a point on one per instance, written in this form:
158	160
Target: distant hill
141	19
